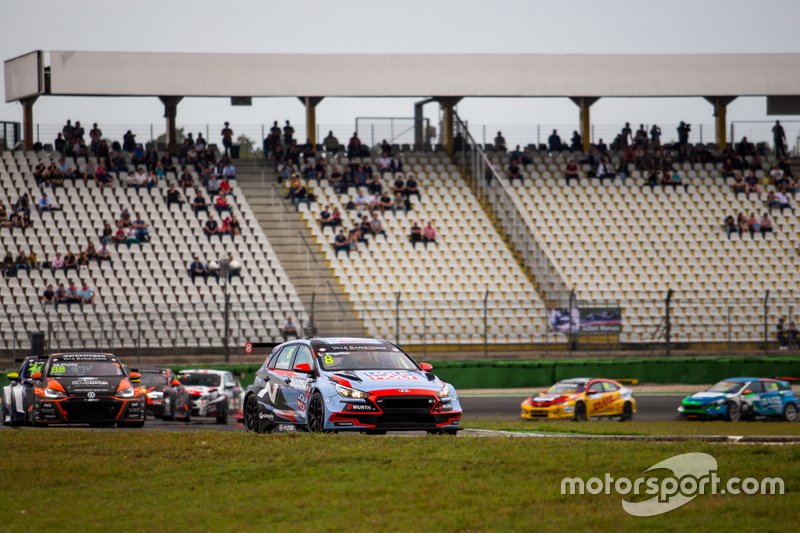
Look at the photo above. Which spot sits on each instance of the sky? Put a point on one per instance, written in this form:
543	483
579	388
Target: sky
410	26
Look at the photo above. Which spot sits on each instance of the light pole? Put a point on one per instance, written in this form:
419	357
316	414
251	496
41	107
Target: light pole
225	265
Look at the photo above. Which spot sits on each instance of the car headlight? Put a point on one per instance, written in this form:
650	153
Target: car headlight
719	402
52	393
444	392
347	392
156	395
125	393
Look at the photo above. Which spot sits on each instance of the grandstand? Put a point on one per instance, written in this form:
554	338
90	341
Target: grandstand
145	298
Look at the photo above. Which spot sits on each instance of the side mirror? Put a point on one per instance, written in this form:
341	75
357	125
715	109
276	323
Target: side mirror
12	376
747	391
305	368
136	377
427	367
175	383
36	375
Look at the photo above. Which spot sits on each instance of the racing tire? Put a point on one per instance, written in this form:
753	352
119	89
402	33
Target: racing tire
734	413
315	419
137	424
7	415
790	412
580	412
627	412
251	422
223	418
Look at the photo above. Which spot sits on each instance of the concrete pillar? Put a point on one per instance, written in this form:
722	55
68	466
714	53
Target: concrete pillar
419	124
310	102
448	104
27	121
170	113
584	103
720	104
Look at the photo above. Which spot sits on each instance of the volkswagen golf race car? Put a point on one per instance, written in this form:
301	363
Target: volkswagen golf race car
215	393
734	399
166	397
81	388
581	399
18	394
335	384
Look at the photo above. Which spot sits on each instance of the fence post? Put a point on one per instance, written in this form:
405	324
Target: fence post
701	134
227	311
729	329
425	328
573	335
486	324
668	322
766	322
397	320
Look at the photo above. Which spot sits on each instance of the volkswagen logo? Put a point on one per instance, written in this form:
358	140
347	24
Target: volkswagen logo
90	395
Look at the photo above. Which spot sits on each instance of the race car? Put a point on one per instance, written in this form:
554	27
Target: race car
734	399
93	388
336	384
166	397
214	393
581	399
18	394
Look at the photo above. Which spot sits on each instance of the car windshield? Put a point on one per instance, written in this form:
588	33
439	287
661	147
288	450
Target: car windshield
197	379
726	387
366	358
566	388
60	369
153	379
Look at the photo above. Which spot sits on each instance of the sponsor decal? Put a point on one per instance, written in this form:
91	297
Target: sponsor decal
85	357
91	394
248	347
266	416
380	375
359	407
89	382
343	423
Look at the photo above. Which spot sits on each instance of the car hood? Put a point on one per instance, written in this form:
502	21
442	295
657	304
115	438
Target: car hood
83	385
549	398
371	380
703	398
200	390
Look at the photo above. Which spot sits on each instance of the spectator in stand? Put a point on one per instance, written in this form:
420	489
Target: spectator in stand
739	185
124	218
60	296
782	334
221	204
95	136
90	251
751	184
336	217
138	179
236	226
70	262
604	170
554	142
85	294
288	134
753	225
375	225
782	201
361	200
210	228
45	204
400	203
103	253
571	171
120	236
743	223
626	135
500	142
340	243
21	262
107	233
33	260
354	147
386	203
101	175
229	171
199	203
83	261
514	172
71	296
655	136
429	234
325	218
48	296
331	143
8	267
227	138
142	231
576	143
676	180
173	197
197	269
640	138
288	329
779	136
59	144
383	162
683	133
416	234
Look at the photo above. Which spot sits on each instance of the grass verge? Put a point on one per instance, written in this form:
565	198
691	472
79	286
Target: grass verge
219	481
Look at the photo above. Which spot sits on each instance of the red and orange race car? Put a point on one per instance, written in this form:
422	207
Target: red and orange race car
87	388
581	399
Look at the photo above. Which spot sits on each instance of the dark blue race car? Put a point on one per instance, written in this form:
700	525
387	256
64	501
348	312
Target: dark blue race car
349	385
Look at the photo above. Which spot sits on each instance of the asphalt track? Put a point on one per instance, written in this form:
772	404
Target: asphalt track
489	406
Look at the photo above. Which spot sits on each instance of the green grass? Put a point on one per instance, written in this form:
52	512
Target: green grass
614	427
70	479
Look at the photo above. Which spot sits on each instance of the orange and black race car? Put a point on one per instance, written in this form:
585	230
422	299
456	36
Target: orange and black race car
87	388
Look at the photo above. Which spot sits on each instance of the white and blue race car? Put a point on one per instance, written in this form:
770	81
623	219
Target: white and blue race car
735	399
335	384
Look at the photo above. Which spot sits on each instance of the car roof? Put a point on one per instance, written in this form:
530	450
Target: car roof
741	379
84	356
351	340
204	371
151	370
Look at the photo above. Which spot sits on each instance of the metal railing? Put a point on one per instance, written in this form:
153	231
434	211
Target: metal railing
505	207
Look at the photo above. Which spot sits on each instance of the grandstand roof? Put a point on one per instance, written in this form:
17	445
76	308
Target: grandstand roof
423	75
